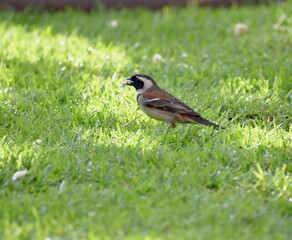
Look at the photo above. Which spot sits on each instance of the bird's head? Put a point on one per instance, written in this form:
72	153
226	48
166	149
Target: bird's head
140	82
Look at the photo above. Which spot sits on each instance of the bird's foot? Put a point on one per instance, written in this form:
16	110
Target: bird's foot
171	124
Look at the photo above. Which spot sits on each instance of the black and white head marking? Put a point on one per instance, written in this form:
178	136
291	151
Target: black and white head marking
140	82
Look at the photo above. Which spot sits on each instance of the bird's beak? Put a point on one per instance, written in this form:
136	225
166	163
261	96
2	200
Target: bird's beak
128	81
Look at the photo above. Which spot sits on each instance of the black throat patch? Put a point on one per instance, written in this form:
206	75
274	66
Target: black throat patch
138	84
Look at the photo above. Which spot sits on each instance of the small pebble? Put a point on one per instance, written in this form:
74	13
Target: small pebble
114	23
157	58
19	174
240	28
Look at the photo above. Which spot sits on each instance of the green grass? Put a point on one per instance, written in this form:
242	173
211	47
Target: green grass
104	170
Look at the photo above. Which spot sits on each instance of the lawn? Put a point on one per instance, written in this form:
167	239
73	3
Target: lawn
98	168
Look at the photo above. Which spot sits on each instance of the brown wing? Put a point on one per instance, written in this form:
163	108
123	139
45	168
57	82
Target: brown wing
164	101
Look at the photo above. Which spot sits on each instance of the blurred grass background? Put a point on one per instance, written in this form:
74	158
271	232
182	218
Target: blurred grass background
98	168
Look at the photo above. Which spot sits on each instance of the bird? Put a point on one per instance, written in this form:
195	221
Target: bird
161	105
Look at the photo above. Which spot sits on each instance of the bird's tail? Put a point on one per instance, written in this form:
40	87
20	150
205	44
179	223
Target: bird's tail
201	120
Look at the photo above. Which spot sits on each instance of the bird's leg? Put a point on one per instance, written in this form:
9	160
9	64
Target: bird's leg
170	124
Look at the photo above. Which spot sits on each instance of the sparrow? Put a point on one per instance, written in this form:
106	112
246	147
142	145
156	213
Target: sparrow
161	105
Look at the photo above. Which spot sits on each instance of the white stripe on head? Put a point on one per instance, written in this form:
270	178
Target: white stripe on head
147	84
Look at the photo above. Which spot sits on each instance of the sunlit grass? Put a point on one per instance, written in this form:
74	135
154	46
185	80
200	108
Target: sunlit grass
98	168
